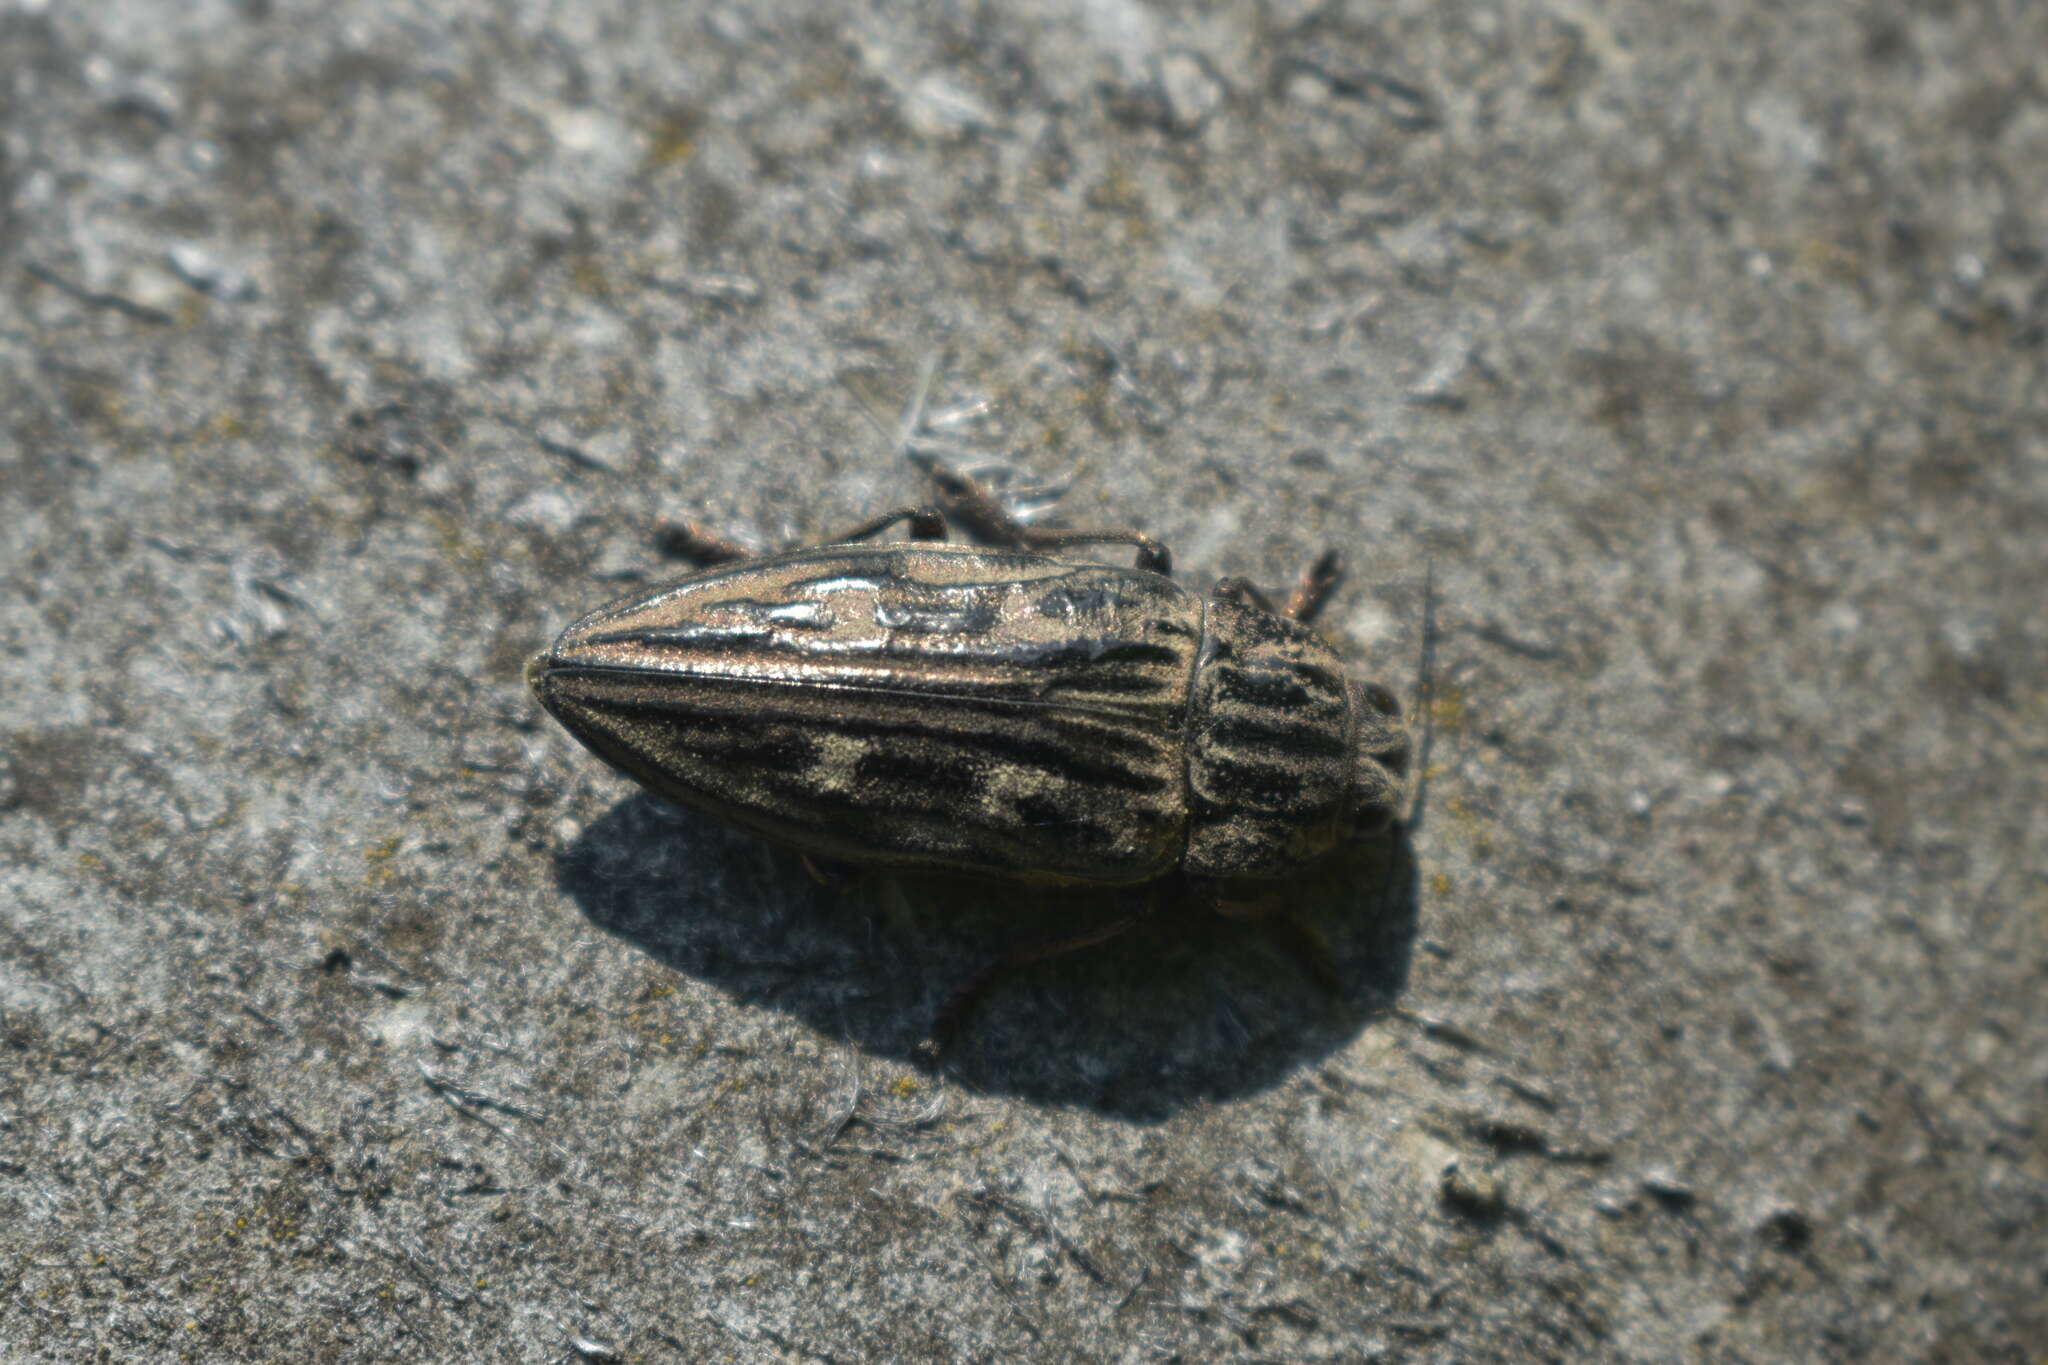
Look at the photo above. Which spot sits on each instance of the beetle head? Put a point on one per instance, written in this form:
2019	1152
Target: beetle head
1381	748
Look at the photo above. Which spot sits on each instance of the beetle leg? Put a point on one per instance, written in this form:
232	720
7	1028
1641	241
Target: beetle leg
1152	556
950	1016
926	523
982	515
1318	581
683	539
829	873
1290	929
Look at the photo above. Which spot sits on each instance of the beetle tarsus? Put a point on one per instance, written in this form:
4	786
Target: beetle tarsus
1152	556
970	506
958	500
691	540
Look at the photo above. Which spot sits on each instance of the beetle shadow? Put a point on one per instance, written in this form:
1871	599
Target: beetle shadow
1186	1007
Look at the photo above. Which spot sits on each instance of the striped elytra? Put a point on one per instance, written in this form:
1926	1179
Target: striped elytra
990	711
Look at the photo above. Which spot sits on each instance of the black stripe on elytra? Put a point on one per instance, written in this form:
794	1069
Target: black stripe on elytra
1046	814
1094	650
787	752
1078	749
1112	684
1082	761
896	826
851	808
754	702
994	647
947	773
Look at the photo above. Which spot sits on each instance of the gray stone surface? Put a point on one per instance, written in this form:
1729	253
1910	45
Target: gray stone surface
348	350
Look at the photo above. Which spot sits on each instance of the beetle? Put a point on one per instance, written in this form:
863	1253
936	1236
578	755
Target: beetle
1002	708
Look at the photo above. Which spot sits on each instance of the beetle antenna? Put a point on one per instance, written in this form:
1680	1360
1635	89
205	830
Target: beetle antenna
912	421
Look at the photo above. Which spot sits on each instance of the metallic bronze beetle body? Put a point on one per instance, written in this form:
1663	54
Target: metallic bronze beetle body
984	710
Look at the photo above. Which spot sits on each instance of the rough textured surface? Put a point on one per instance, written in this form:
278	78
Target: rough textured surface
348	350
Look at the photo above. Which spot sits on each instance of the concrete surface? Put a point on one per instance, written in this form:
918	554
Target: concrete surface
348	350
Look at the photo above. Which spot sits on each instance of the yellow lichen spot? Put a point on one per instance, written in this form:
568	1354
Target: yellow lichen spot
381	858
455	541
1829	261
587	276
673	139
1116	193
1439	884
905	1087
1447	706
90	861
